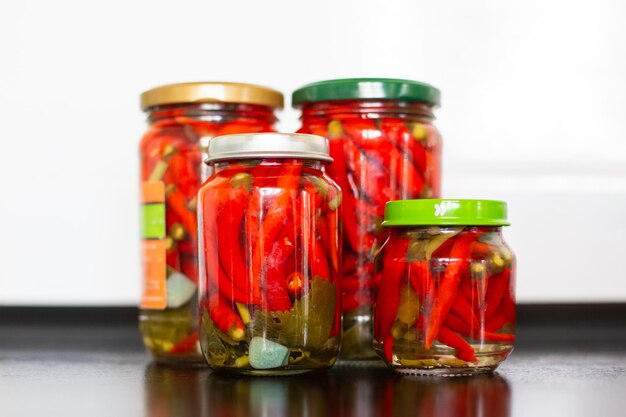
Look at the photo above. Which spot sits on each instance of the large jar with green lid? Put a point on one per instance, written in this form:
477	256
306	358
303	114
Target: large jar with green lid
385	147
446	302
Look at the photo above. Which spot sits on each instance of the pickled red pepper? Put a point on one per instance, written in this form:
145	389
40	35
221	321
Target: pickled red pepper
453	306
268	229
273	244
384	148
449	317
182	117
375	171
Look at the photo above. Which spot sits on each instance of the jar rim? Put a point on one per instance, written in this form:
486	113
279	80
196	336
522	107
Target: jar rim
367	88
268	146
211	92
446	212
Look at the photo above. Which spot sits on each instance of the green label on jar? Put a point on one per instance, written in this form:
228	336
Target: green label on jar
153	225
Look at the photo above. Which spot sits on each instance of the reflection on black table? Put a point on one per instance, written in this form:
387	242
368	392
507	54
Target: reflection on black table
344	391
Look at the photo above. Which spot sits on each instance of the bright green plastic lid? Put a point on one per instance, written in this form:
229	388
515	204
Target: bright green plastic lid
445	212
366	88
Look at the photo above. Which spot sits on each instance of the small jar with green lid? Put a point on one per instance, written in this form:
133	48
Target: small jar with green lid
385	147
446	301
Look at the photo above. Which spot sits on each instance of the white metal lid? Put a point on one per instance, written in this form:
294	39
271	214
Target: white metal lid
268	145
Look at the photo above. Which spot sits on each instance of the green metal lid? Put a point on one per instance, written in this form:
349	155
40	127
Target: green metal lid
366	88
446	212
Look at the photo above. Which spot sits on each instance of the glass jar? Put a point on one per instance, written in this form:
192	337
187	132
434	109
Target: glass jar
446	303
269	254
385	147
182	118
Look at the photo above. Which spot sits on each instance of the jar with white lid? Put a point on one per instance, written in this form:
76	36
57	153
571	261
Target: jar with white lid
269	252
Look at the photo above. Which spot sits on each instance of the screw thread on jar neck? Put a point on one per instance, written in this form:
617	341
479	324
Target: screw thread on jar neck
309	164
370	108
211	112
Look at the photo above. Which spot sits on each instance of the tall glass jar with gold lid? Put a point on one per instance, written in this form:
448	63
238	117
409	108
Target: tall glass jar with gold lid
181	120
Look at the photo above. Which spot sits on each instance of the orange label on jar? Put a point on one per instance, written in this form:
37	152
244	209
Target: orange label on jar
154	295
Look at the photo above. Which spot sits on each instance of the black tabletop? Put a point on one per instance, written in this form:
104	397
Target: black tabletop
94	365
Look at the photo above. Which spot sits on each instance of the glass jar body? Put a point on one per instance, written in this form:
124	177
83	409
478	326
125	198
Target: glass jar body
446	303
171	152
383	150
270	253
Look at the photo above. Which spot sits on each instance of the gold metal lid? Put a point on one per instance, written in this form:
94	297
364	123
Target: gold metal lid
211	92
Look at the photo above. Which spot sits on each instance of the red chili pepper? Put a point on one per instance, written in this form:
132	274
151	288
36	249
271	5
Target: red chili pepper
415	274
509	302
183	171
403	139
408	182
349	264
218	279
178	203
308	214
274	220
186	345
443	251
481	250
422	283
230	291
464	310
280	261
254	213
319	263
211	266
394	267
496	321
187	247
458	325
505	314
449	285
364	133
243	125
276	294
463	350
189	267
359	241
497	337
336	329
229	225
321	228
498	314
402	174
225	318
433	172
371	177
172	258
334	236
495	292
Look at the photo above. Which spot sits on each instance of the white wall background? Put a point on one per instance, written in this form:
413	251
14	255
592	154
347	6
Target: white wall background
534	112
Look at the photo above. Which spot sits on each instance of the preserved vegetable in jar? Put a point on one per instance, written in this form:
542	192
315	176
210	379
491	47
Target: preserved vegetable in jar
270	250
385	147
182	118
446	303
